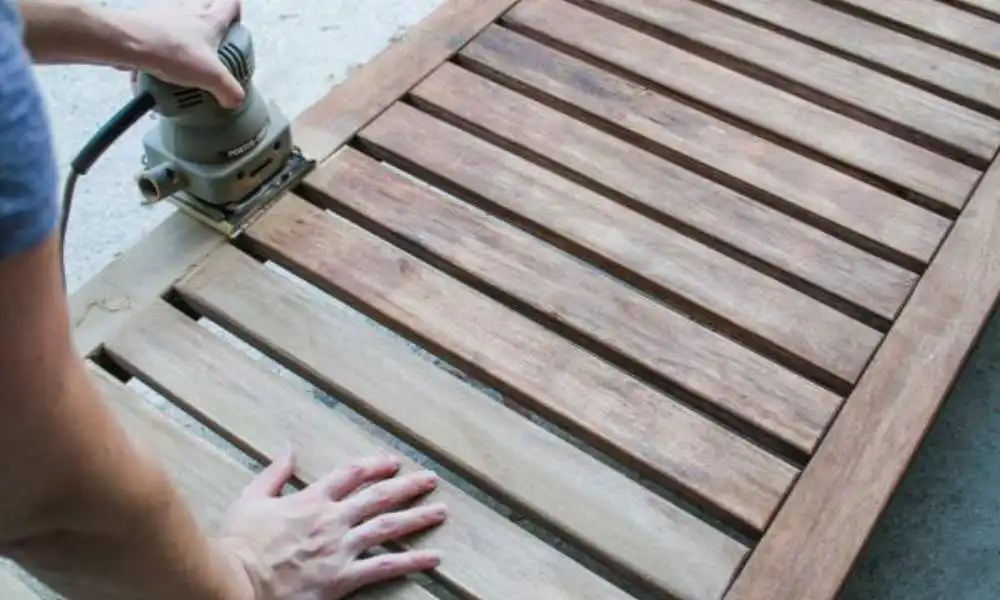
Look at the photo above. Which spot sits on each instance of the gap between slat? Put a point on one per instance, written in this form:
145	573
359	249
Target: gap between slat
905	112
915	173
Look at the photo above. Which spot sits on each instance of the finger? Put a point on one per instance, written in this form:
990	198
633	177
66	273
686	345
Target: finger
338	484
378	569
387	495
393	526
226	88
269	482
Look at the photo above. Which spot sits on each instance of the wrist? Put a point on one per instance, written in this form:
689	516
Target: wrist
77	32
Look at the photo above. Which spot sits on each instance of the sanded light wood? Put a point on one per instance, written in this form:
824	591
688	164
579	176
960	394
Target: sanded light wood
586	499
853	209
208	480
858	86
835	504
938	19
11	588
615	411
335	117
834	342
906	55
785	405
905	164
696	201
484	554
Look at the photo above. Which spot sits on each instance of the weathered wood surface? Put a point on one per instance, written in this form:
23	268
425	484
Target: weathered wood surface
662	278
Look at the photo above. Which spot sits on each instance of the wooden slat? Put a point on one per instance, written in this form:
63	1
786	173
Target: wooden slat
335	117
989	7
861	88
776	400
484	554
857	211
670	190
844	139
933	17
834	506
208	480
622	416
835	343
140	275
11	588
608	512
907	56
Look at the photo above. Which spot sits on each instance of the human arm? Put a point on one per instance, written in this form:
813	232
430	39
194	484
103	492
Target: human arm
177	43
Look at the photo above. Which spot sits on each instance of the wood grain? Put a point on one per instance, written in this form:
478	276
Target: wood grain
667	189
208	480
651	256
862	213
484	555
835	343
906	56
590	397
907	165
939	20
764	394
382	376
834	506
860	89
334	118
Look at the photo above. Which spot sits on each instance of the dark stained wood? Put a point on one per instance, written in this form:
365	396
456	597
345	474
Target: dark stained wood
835	504
726	374
841	346
616	412
907	165
334	119
587	500
855	210
587	222
858	87
939	20
908	57
669	190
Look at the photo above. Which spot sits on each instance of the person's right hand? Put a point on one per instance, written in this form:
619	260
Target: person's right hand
306	546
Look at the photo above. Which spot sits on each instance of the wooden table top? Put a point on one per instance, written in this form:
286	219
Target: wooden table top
670	290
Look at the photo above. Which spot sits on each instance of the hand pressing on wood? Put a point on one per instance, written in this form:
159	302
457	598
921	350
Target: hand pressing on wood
307	546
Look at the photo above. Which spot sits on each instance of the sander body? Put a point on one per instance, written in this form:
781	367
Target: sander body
220	165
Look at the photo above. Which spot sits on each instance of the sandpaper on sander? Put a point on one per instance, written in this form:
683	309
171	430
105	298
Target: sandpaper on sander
221	166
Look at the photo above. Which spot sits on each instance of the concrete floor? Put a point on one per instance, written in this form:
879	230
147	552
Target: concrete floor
941	537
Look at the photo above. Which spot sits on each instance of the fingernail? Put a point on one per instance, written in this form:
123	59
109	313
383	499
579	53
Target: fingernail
439	511
430	479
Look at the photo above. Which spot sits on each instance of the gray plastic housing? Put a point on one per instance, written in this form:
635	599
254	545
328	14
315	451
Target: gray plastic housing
218	155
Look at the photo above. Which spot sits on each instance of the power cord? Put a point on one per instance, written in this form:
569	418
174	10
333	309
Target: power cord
125	118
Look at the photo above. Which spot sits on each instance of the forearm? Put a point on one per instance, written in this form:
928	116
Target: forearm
108	523
69	31
83	508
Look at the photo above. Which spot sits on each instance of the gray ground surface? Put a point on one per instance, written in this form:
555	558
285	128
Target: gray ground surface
941	537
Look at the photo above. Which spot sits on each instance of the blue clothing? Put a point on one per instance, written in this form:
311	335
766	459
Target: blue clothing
29	208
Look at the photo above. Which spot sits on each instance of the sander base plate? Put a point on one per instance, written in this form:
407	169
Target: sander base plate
232	219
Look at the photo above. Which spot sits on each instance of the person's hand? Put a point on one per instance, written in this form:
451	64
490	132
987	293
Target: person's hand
180	44
306	546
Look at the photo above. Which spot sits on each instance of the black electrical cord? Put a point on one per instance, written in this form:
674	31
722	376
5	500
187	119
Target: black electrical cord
125	118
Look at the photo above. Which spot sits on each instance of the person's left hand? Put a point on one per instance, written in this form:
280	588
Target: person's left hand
180	44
